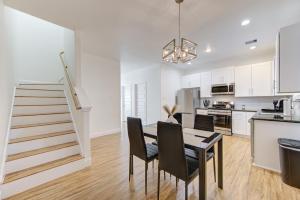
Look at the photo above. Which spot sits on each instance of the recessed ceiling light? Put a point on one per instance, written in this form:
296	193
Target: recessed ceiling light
208	50
189	63
245	22
252	47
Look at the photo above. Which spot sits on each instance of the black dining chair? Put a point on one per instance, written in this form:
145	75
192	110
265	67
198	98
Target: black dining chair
204	123
171	155
138	146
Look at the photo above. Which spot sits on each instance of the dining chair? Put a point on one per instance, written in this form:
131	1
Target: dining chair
138	146
204	123
171	155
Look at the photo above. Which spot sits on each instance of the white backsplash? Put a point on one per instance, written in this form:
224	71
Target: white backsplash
250	103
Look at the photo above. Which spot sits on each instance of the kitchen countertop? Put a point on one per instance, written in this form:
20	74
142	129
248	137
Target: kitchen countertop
244	110
270	117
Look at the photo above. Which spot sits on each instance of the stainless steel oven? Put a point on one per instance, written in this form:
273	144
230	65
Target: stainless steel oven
222	89
222	112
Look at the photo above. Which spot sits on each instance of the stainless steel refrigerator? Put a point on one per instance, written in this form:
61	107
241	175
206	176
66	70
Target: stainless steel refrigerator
187	100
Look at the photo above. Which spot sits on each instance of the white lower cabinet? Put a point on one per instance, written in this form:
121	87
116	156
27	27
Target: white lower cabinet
240	122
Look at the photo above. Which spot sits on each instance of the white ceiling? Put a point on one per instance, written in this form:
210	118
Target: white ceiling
134	31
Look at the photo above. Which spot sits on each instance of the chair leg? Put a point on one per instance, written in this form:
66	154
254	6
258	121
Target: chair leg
158	183
146	169
170	176
129	167
176	182
186	191
131	164
214	162
164	175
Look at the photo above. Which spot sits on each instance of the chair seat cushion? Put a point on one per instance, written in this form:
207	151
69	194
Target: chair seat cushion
152	151
195	154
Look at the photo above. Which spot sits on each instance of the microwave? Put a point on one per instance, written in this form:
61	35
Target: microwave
222	89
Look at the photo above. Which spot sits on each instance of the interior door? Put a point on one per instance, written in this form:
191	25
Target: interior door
141	101
126	102
262	79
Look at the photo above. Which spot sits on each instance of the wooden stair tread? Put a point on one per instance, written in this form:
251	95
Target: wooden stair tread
58	104
39	151
39	89
36	137
40	168
41	84
41	124
26	96
37	114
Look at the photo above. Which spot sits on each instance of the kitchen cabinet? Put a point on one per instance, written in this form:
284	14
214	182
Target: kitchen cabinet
288	59
243	81
262	79
223	75
205	86
191	81
254	80
240	122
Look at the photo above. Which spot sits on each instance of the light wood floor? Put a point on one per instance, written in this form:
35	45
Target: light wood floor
107	178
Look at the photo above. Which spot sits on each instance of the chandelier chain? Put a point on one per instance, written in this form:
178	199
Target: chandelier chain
179	29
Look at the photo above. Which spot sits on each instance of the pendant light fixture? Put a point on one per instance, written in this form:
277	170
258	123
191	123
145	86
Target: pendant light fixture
184	51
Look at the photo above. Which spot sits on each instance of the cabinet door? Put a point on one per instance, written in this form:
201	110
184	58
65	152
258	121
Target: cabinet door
229	75
289	59
249	115
205	87
239	123
262	79
218	76
243	81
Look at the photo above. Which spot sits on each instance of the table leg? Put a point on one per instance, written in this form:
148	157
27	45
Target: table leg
220	163
202	175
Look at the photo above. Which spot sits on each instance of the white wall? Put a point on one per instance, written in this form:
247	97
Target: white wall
170	84
151	76
69	49
101	82
35	46
234	61
6	82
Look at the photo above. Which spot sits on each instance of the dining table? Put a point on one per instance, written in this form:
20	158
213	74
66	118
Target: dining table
201	141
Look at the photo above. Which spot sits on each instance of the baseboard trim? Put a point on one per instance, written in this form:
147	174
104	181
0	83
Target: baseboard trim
103	133
267	168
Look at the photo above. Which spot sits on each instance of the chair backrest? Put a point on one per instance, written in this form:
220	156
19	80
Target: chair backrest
178	117
171	152
204	122
136	137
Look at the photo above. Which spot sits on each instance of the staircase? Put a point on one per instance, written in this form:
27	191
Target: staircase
43	144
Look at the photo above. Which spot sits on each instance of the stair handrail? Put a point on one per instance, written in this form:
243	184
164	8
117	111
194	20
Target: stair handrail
72	89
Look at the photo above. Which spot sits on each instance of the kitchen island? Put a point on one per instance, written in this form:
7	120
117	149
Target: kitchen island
265	131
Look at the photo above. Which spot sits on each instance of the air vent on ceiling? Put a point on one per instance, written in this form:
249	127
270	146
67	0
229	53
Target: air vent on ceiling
251	42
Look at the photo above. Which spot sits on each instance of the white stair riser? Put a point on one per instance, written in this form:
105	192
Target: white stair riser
39	93
39	130
24	163
47	87
39	109
41	143
39	119
28	182
39	101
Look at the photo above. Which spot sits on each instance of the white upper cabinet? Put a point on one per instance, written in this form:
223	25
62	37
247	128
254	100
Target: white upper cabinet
223	75
262	79
243	81
288	59
254	80
191	81
205	87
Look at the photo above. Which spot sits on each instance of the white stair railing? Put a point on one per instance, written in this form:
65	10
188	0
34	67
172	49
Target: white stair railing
80	111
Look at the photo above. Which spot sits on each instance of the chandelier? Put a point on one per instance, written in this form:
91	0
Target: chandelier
184	51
